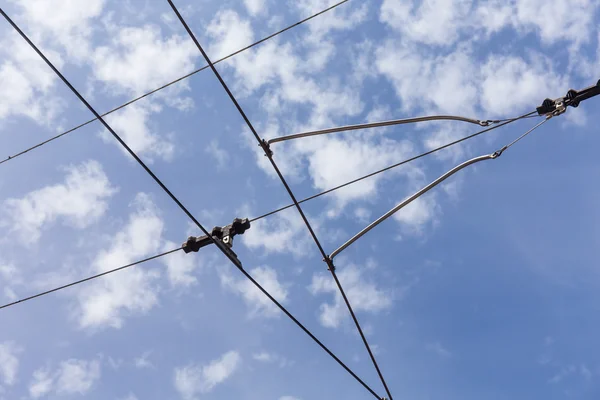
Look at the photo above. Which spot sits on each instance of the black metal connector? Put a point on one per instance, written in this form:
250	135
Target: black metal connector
223	234
266	148
572	98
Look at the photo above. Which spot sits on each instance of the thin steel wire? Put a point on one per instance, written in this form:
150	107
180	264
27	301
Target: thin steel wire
173	82
89	278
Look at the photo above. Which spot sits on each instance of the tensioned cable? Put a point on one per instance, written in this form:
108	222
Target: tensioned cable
173	82
288	189
221	246
89	278
507	121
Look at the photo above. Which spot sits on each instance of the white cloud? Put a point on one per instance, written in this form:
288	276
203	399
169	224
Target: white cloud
272	358
41	383
258	303
345	17
134	126
289	229
504	76
230	33
71	377
193	379
143	361
80	201
358	156
29	81
415	19
363	293
218	153
418	214
9	362
180	266
256	7
70	25
435	83
140	59
288	398
108	301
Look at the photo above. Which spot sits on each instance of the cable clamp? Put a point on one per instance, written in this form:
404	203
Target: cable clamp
498	153
266	148
224	235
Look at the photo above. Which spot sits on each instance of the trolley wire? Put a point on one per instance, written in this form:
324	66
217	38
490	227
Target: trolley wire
89	278
288	189
11	157
222	247
506	122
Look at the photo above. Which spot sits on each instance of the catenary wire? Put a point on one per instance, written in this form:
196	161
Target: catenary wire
159	182
173	82
56	289
288	189
506	122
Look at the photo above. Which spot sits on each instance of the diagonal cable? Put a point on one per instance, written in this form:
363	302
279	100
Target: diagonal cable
268	153
333	189
228	253
173	82
89	278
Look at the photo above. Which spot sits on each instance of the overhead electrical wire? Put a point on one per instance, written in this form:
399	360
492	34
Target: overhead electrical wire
11	157
505	122
225	250
265	215
89	278
269	155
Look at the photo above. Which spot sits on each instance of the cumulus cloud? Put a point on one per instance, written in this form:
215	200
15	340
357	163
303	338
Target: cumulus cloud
230	33
106	302
69	26
29	81
79	201
414	19
418	214
194	379
71	377
259	305
134	125
180	266
140	59
9	362
256	7
288	229
272	358
364	293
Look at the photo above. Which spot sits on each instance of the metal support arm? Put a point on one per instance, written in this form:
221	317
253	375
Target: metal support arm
410	199
380	124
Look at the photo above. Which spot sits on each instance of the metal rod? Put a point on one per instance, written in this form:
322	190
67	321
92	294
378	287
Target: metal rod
410	199
379	124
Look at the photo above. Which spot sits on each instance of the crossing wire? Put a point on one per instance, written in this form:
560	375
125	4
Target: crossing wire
272	212
89	278
172	82
182	207
333	189
269	155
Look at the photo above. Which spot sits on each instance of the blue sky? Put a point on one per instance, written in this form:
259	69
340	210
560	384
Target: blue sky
485	288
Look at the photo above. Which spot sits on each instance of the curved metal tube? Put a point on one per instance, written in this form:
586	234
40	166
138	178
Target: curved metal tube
379	124
410	199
